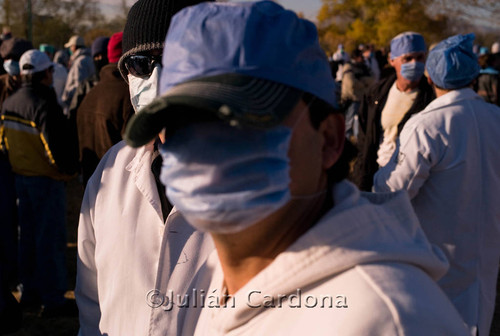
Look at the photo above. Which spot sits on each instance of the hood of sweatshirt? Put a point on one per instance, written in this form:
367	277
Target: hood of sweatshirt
81	52
361	228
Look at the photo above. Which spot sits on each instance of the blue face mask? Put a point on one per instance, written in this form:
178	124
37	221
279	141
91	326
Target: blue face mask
224	179
412	71
12	67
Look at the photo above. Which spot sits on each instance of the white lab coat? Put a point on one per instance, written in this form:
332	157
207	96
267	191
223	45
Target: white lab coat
368	254
449	162
128	258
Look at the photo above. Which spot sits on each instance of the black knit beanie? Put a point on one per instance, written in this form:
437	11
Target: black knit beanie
147	25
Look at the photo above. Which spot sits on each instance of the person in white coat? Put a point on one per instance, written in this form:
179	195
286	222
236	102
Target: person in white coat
448	162
253	155
132	246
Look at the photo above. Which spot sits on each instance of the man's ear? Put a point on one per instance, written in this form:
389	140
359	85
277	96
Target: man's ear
429	80
332	129
390	60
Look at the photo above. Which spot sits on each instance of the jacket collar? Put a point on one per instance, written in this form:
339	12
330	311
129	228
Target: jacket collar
452	97
141	174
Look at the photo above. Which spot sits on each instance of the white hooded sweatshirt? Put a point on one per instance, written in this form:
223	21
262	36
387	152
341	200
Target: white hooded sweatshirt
368	254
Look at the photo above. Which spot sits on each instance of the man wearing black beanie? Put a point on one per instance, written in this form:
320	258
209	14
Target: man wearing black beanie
136	254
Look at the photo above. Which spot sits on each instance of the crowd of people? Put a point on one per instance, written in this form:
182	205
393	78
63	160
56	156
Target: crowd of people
239	181
61	112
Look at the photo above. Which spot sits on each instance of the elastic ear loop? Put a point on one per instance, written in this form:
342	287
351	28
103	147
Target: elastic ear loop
321	192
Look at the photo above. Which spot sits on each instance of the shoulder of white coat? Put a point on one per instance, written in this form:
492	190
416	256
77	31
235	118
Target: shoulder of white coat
427	122
116	158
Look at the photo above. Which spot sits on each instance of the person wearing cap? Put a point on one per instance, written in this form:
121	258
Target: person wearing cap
100	58
133	247
388	105
104	112
10	311
60	74
488	81
81	68
62	57
6	33
356	80
448	162
371	62
36	138
253	156
11	50
100	53
10	81
341	57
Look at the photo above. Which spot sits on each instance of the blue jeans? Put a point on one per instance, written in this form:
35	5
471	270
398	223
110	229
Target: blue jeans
42	244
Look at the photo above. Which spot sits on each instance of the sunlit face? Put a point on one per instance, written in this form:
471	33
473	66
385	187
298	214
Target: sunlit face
412	57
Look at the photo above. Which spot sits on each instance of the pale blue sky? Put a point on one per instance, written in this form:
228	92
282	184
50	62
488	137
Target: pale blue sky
308	7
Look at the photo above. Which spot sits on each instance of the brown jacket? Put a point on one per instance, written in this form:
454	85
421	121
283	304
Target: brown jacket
102	117
8	85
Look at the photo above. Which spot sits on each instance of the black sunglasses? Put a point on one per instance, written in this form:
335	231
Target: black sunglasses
141	65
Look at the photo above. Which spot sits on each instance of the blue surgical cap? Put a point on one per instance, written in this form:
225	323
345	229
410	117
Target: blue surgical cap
229	38
452	64
406	43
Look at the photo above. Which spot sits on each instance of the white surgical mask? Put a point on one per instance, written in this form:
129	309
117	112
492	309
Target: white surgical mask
224	179
143	91
12	67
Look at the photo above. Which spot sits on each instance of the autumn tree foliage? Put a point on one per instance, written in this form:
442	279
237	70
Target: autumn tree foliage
353	22
55	21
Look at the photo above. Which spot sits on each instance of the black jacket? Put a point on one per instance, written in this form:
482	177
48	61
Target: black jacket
370	128
36	134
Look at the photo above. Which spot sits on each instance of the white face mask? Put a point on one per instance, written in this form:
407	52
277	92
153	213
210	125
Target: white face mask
143	91
11	67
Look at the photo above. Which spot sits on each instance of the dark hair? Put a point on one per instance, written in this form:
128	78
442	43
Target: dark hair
34	78
318	111
356	53
484	60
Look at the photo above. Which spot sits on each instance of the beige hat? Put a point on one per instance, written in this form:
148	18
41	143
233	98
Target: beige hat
75	40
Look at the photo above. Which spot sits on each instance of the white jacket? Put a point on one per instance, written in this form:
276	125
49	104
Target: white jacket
128	258
368	254
449	161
